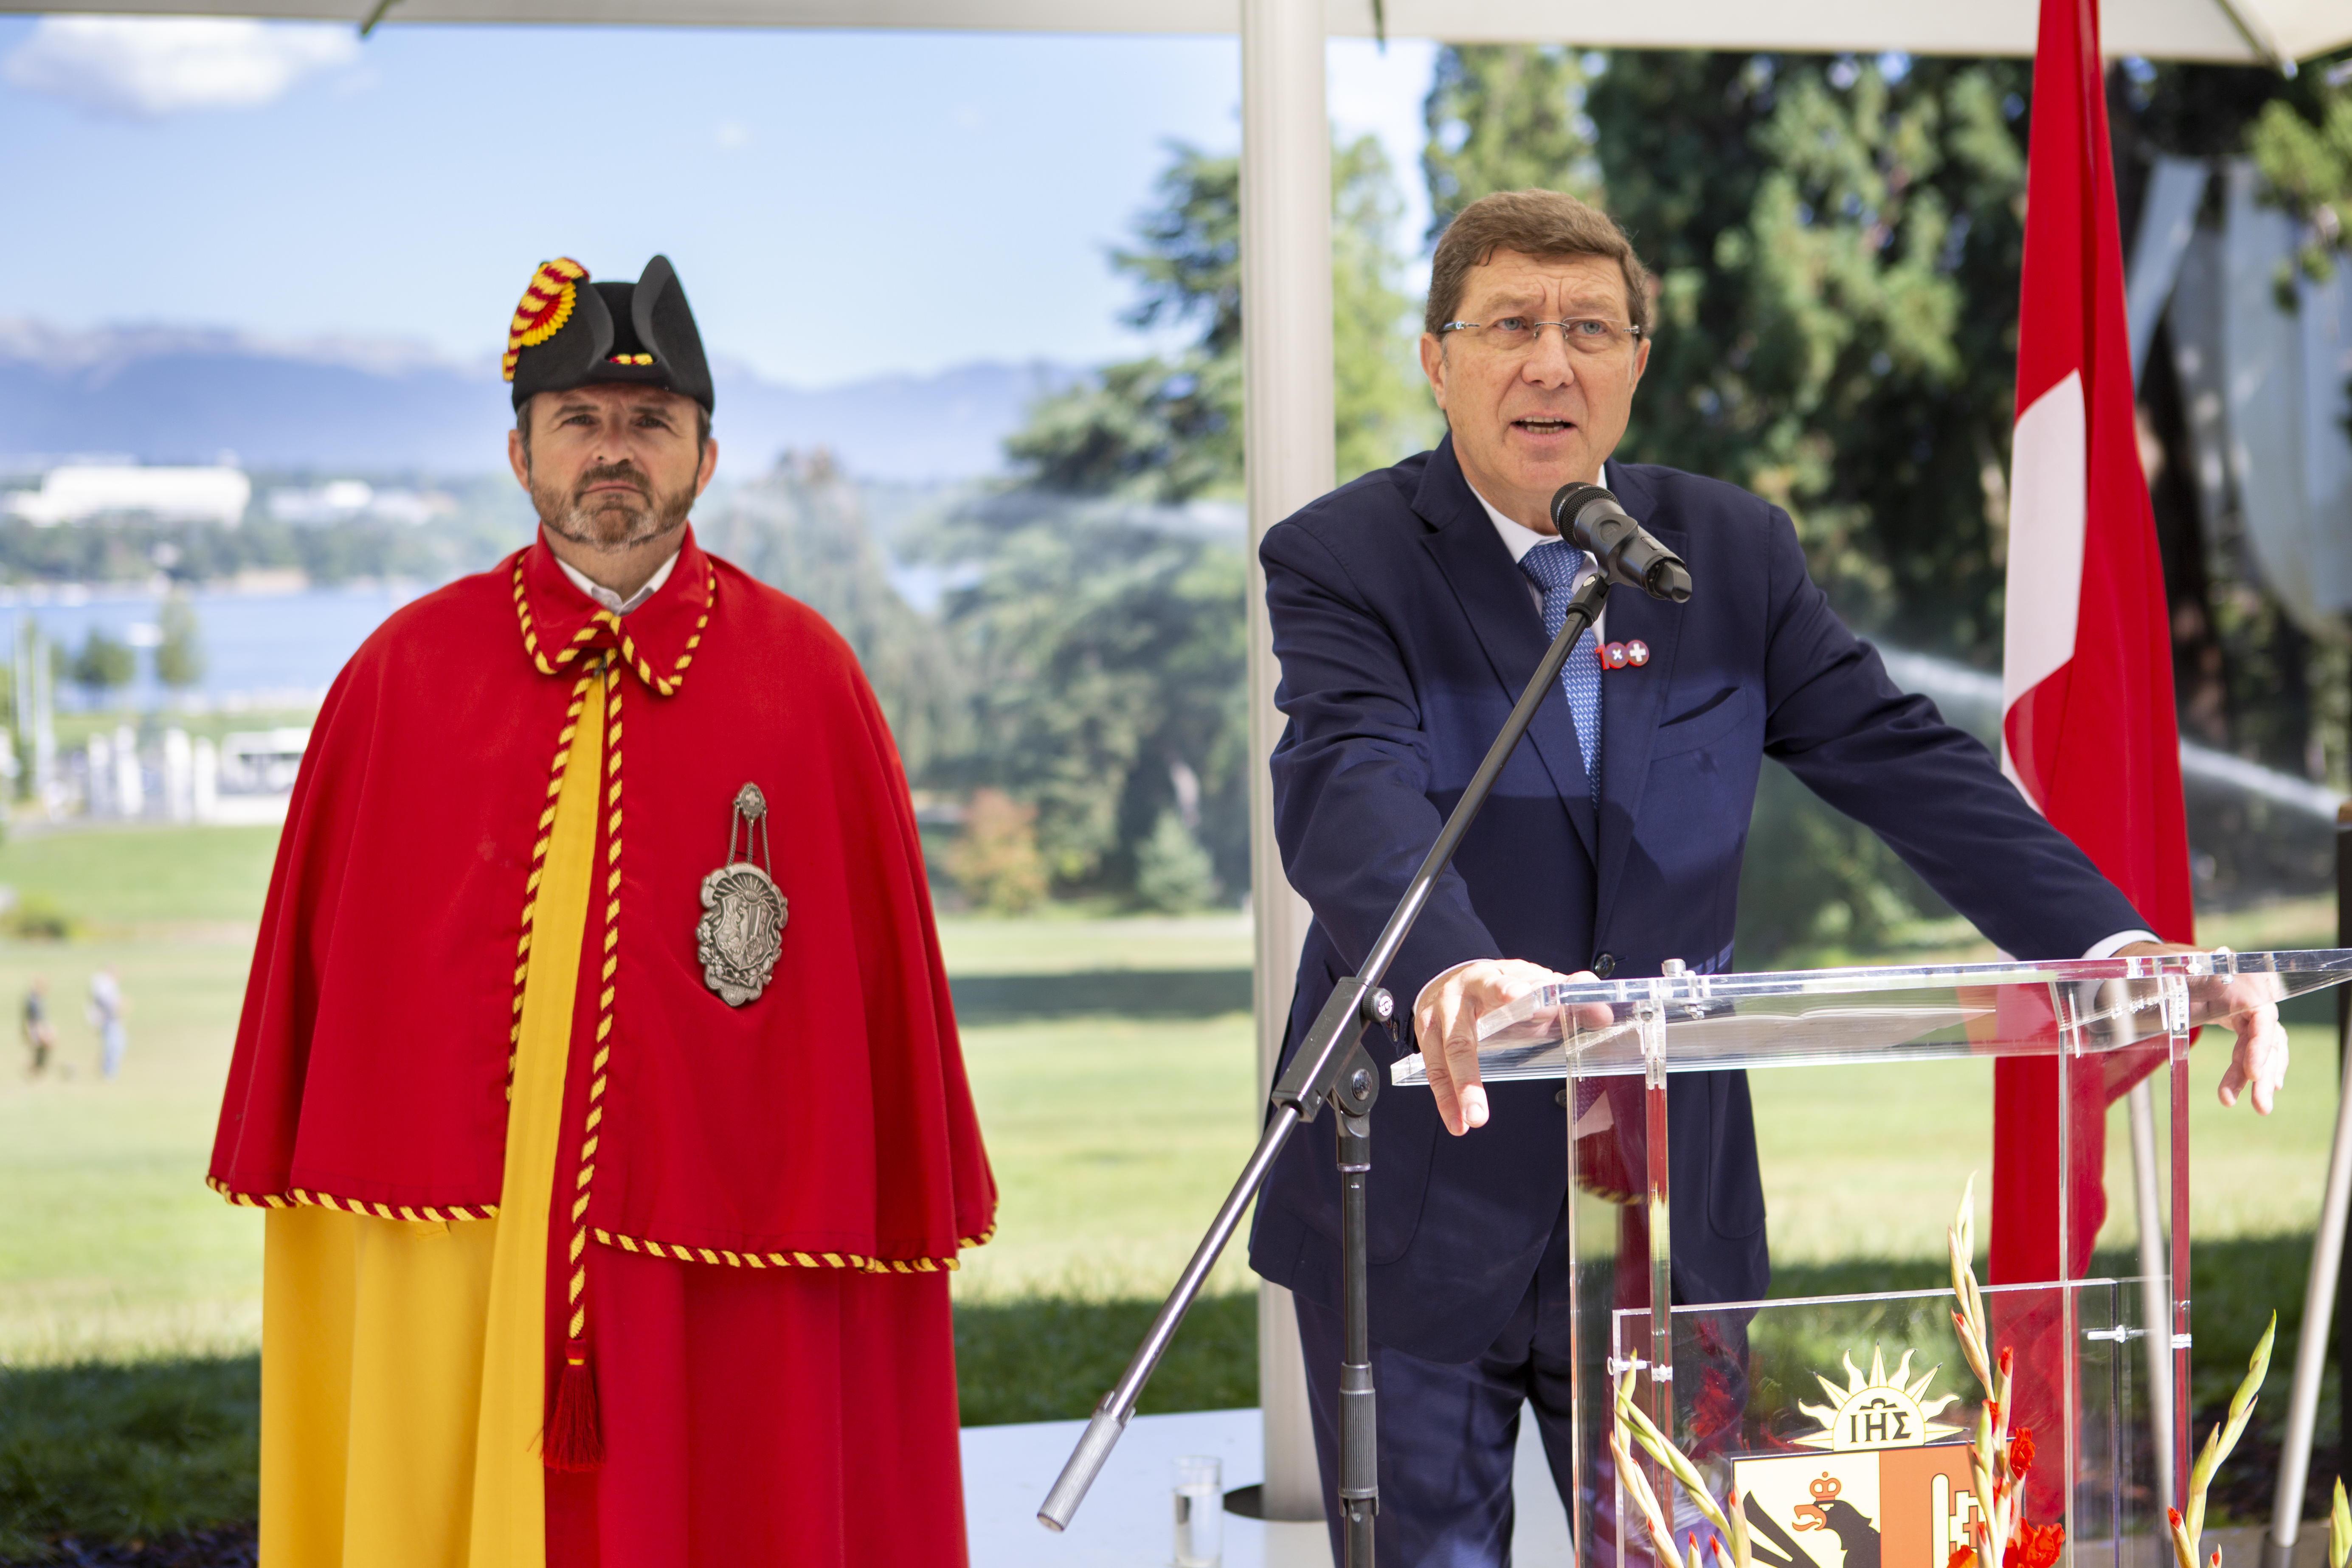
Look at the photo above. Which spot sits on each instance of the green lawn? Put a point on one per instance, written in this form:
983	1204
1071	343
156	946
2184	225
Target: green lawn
126	1452
114	879
1868	1162
1113	1140
110	1244
978	945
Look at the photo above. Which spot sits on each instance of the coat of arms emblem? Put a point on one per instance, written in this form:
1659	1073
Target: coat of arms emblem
1885	1483
741	931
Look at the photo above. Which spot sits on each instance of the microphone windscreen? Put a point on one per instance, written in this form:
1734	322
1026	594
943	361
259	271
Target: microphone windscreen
1569	500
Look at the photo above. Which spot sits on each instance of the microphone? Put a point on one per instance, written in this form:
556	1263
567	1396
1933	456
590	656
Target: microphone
1589	518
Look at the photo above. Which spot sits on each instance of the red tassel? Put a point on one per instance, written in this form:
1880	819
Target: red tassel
575	1437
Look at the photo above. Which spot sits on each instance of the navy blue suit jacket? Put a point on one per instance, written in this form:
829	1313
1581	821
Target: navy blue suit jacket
1405	632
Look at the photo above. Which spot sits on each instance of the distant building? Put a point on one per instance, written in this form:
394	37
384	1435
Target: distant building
344	500
337	501
83	492
261	762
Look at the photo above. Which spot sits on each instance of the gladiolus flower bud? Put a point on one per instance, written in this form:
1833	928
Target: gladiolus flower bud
2035	1546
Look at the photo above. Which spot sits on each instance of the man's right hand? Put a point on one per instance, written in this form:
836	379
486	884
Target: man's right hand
1445	1022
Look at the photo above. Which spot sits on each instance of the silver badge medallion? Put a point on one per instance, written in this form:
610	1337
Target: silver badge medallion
741	931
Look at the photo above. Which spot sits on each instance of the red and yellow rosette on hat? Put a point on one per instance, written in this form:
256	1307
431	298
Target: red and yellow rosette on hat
547	302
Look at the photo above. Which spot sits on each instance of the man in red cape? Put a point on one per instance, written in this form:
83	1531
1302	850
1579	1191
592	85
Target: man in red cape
610	1119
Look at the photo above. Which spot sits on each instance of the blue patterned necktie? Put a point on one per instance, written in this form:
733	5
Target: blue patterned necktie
1557	569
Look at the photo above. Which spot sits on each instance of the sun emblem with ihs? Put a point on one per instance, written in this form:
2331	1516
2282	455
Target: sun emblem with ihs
1879	1411
1882	1484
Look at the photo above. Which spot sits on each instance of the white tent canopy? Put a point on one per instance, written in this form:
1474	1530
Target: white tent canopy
2249	30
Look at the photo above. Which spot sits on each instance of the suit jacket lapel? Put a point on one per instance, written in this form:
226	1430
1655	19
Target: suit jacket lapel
1632	699
1494	596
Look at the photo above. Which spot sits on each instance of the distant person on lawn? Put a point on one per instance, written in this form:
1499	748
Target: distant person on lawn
40	1035
611	1120
106	1009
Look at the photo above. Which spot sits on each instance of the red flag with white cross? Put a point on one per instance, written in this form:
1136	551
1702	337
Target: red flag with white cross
2087	724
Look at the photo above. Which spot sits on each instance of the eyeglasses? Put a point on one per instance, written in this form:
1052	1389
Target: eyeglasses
1517	334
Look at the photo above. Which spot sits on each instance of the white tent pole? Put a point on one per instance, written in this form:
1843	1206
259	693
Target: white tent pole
1289	459
2154	1283
2167	220
2311	1340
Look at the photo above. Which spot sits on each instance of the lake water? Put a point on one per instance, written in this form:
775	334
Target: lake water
261	649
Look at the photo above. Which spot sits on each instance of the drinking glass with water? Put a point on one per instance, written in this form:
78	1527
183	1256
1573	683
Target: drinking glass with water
1200	1512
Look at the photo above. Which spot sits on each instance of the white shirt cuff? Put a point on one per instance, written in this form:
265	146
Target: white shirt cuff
2121	940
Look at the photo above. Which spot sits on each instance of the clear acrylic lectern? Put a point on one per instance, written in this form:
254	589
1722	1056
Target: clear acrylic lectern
1843	1420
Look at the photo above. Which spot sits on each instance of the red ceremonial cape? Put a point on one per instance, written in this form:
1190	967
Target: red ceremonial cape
826	1122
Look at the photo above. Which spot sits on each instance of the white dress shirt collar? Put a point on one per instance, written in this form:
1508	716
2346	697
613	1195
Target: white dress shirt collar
1519	539
609	599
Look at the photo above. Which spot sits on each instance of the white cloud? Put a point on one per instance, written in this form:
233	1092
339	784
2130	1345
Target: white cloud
150	67
733	134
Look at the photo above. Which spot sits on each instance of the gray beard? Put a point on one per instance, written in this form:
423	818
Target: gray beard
610	521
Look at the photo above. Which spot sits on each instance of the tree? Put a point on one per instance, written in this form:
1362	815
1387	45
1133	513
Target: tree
1103	629
1148	429
2298	129
1383	405
1168	428
1504	117
1838	247
803	528
103	664
1172	873
1157	429
1105	646
1188	267
179	656
2307	159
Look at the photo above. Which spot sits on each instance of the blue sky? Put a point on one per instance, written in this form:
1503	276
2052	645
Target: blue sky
839	204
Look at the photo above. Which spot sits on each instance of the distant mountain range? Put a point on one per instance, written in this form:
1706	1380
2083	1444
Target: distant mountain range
188	395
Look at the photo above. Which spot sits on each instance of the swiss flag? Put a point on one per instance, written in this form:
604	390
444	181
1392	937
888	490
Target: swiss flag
2088	727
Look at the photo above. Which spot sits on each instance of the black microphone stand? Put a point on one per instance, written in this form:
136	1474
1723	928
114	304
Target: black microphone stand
1332	1065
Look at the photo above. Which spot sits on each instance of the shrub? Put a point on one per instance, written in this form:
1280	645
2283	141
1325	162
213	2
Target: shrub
996	862
1172	872
36	916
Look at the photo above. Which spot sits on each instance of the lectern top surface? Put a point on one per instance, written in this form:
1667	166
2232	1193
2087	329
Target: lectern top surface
1893	1013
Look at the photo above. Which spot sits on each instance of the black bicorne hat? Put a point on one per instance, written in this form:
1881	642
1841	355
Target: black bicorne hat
569	331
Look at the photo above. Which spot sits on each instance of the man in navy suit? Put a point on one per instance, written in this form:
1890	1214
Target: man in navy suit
1409	610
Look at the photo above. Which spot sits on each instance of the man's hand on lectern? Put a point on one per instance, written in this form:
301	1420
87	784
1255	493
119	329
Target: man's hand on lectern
1445	1022
2259	1058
